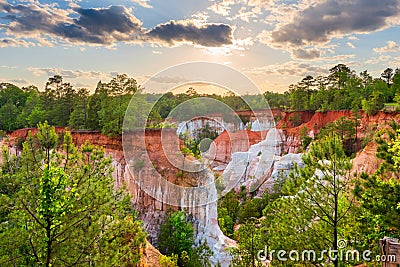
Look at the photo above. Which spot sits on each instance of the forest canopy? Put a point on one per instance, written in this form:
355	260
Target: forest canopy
61	104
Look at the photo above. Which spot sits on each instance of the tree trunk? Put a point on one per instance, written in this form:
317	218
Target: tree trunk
48	242
335	234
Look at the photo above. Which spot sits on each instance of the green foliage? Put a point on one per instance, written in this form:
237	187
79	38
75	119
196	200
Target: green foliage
225	222
345	128
305	139
387	151
250	237
277	100
378	210
79	116
395	150
378	195
176	235
176	239
314	210
252	208
341	89
169	261
199	256
228	211
61	104
198	142
65	212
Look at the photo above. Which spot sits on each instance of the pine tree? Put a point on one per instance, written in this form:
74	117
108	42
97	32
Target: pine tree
315	207
59	207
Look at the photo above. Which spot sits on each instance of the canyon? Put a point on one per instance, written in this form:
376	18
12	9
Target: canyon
248	156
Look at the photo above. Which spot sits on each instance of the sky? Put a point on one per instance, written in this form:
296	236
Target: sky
273	42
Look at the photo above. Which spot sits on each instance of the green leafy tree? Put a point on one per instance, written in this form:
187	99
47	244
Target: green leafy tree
59	207
177	238
169	261
396	86
8	116
176	235
339	75
385	151
199	256
228	211
343	127
387	76
250	241
79	116
58	100
378	195
119	92
32	112
12	100
315	210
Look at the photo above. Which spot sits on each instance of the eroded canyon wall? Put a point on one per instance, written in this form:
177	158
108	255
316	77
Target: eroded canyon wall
158	145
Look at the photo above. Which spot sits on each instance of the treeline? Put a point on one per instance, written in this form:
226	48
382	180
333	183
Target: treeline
341	89
61	104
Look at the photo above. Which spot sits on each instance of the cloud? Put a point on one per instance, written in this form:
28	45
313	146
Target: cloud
20	81
69	74
48	25
316	23
102	26
319	23
391	46
291	68
382	59
337	58
222	8
351	45
306	53
175	32
14	43
142	3
7	67
243	9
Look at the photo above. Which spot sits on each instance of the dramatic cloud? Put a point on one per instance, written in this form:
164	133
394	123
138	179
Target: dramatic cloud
175	32
319	23
391	46
48	25
31	19
94	25
102	25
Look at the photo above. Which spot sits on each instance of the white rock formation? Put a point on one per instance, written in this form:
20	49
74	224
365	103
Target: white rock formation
259	168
